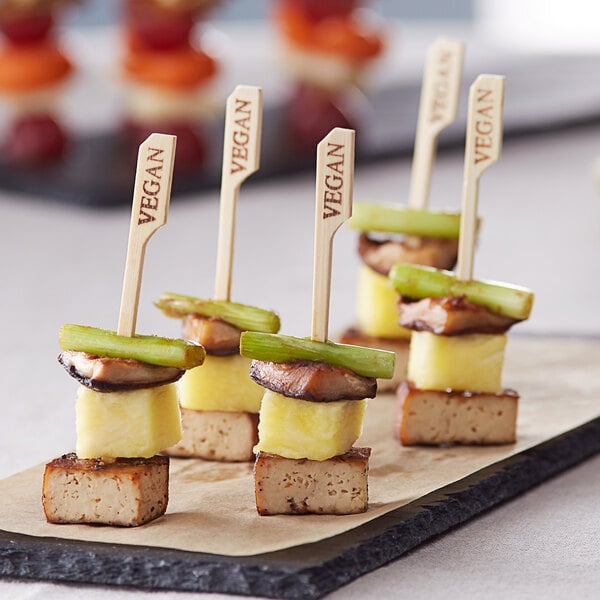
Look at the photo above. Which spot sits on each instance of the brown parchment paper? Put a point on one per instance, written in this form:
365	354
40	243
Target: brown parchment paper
211	508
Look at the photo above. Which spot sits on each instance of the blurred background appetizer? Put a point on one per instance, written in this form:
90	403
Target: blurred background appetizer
168	75
325	49
33	70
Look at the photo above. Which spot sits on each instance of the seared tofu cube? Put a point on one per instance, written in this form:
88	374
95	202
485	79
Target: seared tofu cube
432	417
337	486
127	492
217	435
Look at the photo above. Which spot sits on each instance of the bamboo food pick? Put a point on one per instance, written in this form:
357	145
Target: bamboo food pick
151	196
482	149
438	108
335	182
241	158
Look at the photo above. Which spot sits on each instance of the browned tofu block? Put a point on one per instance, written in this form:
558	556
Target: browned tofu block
432	417
287	486
217	435
398	345
127	492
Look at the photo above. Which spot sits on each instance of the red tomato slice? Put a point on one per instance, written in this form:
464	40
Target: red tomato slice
26	28
312	114
157	27
33	139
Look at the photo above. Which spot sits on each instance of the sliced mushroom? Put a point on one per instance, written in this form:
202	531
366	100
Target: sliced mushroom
218	337
314	381
381	256
104	374
451	316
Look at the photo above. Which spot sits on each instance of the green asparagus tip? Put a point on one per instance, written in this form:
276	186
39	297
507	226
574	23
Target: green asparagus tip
388	218
149	349
417	282
242	316
367	362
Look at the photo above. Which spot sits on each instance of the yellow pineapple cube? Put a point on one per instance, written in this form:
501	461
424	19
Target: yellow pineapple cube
136	423
221	383
302	429
376	305
462	362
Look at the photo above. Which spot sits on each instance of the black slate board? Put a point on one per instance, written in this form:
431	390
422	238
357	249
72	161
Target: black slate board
303	572
544	93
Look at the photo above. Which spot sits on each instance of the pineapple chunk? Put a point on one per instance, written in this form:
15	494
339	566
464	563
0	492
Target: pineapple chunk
221	383
376	305
137	423
463	362
301	429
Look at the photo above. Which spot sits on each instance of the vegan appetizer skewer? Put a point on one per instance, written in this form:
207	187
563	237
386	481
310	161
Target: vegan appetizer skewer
453	392
429	238
127	409
312	410
220	403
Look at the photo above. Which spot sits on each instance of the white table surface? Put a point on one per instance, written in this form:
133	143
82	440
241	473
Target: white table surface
541	213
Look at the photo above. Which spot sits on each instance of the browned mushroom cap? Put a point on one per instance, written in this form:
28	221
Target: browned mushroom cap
451	316
104	374
381	256
314	381
218	337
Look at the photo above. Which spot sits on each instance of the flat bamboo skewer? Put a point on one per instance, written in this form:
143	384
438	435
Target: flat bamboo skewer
335	183
438	107
151	196
241	158
482	149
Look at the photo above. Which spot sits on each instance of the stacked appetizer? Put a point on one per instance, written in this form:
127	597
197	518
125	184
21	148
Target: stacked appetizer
127	412
219	402
326	48
454	391
411	236
312	411
33	69
167	75
127	409
392	234
311	415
